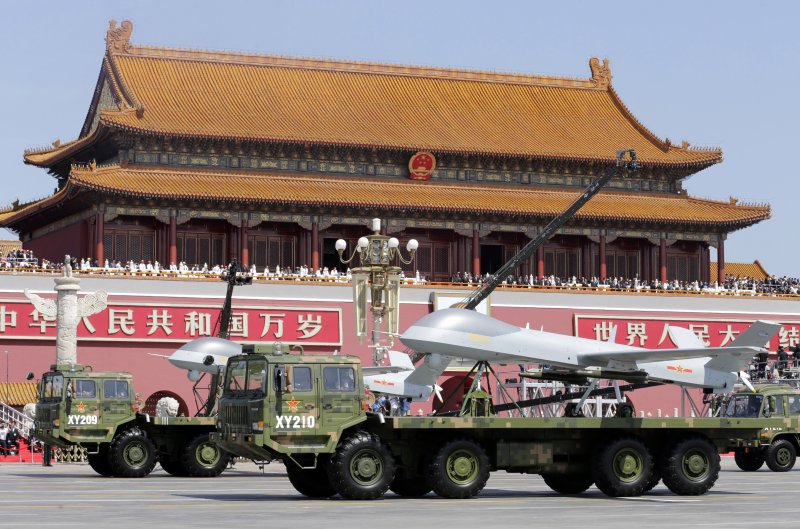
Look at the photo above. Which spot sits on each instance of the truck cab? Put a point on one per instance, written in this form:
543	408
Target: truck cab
276	405
77	406
779	441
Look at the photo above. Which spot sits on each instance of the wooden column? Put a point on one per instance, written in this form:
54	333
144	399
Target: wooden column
314	246
99	227
244	244
602	257
540	261
721	259
461	257
662	260
586	259
173	240
647	269
476	254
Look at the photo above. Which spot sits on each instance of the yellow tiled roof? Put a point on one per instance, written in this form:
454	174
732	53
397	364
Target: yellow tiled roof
399	195
7	246
17	393
192	93
754	270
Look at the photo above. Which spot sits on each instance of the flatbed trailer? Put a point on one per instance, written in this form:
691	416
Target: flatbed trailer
310	412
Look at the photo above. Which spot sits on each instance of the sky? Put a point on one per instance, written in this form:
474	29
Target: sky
715	73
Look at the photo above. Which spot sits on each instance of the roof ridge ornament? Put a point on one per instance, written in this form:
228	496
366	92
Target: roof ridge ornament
601	73
118	38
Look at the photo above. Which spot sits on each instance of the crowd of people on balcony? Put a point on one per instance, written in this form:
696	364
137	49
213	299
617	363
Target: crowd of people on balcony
786	364
25	259
732	284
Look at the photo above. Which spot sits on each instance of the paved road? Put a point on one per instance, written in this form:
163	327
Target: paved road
71	495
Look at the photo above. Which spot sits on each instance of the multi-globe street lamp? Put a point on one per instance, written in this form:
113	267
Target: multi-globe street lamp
377	274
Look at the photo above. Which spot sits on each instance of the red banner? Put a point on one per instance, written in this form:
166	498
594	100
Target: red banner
180	323
652	333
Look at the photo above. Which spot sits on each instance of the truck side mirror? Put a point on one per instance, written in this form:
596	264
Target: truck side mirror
279	380
772	405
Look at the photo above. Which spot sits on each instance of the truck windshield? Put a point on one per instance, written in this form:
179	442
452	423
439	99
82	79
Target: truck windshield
744	406
52	388
246	375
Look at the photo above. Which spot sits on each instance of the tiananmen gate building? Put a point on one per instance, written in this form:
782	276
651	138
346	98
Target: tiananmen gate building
201	156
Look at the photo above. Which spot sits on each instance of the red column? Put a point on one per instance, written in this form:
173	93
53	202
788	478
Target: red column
244	242
647	272
173	240
99	225
602	257
476	254
721	260
662	259
460	255
540	262
315	246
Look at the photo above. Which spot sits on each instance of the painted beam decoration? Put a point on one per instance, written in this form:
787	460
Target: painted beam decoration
652	332
179	323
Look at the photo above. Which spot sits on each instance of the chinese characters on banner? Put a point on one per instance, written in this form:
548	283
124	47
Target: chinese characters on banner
652	333
175	323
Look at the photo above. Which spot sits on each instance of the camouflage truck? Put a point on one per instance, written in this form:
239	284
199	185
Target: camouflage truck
99	412
779	441
311	413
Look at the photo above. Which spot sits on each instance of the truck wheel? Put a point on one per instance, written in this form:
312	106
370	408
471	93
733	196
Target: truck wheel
172	467
655	477
568	483
459	469
749	461
203	459
781	455
132	454
362	468
99	462
623	467
410	487
691	467
311	482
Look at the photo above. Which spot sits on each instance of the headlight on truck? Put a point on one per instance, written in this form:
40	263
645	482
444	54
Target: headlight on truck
56	423
258	426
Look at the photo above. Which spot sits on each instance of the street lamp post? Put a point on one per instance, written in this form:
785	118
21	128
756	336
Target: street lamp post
377	274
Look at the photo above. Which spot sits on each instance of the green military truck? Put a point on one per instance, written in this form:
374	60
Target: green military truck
99	412
780	440
311	413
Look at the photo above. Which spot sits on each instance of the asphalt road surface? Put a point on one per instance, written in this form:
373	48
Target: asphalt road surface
72	495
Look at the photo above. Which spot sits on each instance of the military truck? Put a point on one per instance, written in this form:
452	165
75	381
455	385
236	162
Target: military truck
779	441
99	412
311	413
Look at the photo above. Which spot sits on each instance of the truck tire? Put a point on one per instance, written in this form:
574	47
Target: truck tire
409	487
203	459
132	454
568	483
311	482
781	455
655	477
459	469
691	467
622	467
362	468
172	467
749	461
99	462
